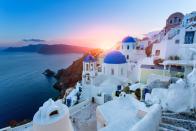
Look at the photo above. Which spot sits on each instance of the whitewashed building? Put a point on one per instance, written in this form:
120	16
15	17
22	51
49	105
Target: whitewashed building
115	64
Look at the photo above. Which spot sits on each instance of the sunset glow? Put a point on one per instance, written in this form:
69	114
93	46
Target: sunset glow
82	24
101	36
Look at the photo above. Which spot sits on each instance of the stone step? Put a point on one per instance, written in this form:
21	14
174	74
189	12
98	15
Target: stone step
169	127
186	124
85	93
169	113
179	120
164	129
185	116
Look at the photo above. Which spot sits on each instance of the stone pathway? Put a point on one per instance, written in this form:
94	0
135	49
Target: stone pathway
85	120
178	122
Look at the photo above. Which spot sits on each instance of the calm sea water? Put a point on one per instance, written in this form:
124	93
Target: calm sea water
23	87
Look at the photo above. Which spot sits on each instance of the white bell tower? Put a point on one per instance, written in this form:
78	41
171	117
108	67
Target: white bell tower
89	70
128	46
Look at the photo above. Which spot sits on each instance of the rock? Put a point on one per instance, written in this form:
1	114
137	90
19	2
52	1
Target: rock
58	85
13	123
49	73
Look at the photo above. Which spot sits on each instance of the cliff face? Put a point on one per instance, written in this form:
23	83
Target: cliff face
68	77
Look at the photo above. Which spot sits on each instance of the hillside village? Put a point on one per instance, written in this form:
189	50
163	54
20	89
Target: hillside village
148	84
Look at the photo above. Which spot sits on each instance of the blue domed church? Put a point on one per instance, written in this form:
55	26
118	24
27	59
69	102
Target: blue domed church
115	64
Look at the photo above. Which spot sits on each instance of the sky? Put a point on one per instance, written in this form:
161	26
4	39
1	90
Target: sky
91	23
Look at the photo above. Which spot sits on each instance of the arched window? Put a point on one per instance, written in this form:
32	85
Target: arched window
171	21
127	47
175	19
127	57
55	112
121	71
112	71
87	67
91	67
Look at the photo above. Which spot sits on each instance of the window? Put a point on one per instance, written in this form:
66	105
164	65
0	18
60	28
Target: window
91	67
175	19
122	46
112	71
157	53
54	113
171	21
88	77
189	37
127	47
179	20
127	57
87	67
177	41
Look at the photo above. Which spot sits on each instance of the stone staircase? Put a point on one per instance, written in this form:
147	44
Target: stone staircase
178	122
85	93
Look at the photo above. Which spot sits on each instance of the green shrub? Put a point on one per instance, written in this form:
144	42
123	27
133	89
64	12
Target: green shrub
126	90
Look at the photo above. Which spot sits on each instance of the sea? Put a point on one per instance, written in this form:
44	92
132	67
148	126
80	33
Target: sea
23	87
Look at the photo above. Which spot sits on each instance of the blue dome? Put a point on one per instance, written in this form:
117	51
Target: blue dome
89	58
115	57
128	39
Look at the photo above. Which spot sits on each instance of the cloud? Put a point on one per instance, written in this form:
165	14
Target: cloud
33	40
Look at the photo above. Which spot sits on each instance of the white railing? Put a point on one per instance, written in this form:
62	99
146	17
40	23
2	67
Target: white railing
150	122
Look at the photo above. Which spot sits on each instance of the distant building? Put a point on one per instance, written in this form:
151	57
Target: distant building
173	20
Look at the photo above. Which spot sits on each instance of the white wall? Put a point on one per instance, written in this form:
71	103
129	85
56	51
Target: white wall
134	72
159	46
150	122
126	51
117	69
